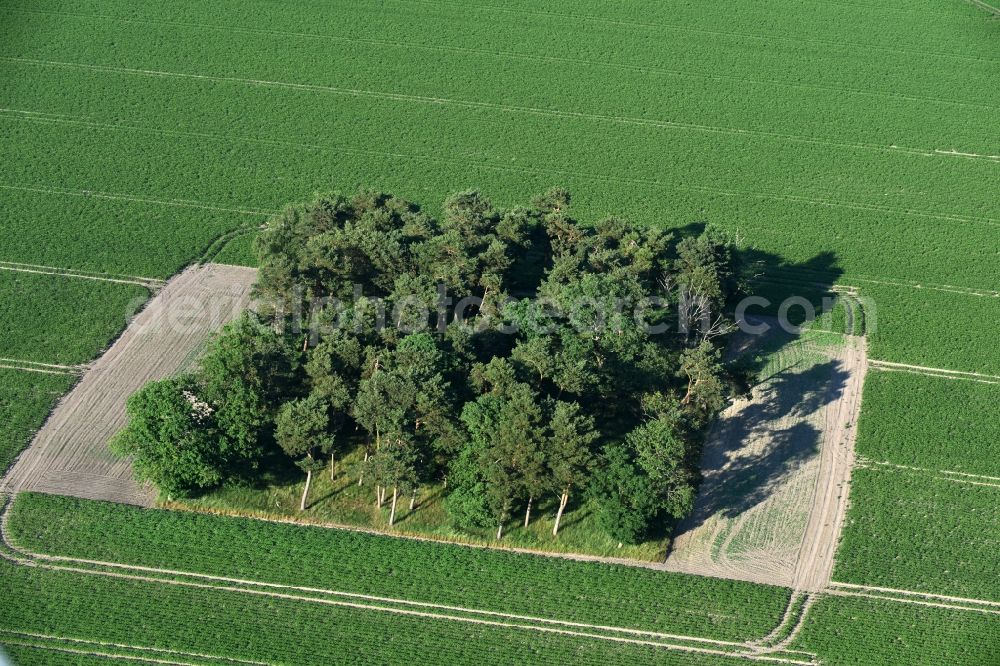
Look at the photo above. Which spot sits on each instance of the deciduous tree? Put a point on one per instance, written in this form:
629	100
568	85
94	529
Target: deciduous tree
302	434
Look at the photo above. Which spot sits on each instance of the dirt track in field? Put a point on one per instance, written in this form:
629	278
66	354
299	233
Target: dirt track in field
776	472
69	455
748	650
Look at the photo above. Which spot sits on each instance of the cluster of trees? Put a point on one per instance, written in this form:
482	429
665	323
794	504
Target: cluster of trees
543	383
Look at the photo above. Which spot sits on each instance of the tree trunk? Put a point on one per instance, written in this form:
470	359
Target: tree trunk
305	491
305	342
527	513
392	512
500	531
331	466
562	507
413	499
361	477
482	304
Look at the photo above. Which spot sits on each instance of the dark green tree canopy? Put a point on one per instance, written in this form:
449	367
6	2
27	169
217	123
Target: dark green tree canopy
173	437
513	352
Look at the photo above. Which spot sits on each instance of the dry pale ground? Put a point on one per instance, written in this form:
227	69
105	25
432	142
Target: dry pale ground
69	455
777	468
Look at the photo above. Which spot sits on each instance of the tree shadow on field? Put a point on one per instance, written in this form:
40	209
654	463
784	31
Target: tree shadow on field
775	278
736	478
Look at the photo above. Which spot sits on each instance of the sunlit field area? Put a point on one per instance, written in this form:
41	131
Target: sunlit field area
848	148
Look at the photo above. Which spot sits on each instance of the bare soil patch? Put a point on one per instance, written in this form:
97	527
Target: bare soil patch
69	455
777	467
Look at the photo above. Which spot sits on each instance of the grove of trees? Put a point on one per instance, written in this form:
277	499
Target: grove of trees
496	353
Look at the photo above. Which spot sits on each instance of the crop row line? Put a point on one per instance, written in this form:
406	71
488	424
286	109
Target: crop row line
44	118
54	641
510	108
515	55
386	604
149	283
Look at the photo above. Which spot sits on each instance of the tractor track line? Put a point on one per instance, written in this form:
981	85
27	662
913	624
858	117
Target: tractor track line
41	117
92	653
791	198
125	646
779	277
75	271
935	371
782	645
50	366
181	203
917	602
933	374
62	119
55	562
514	55
25	368
866	462
915	593
373	598
968	482
985	7
427	615
668	26
149	284
510	108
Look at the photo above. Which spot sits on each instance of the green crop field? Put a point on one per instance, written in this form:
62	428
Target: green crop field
921	531
884	633
357	562
930	422
184	624
61	320
26	396
851	142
